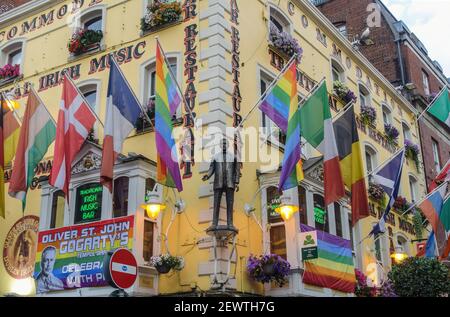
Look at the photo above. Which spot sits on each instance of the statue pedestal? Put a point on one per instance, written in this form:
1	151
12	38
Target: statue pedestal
222	232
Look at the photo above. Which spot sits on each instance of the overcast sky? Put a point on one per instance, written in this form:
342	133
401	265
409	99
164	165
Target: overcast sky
430	21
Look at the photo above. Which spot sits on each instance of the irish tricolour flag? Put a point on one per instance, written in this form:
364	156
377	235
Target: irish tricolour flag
441	107
37	133
317	128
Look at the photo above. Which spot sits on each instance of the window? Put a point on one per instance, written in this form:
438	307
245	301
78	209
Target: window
338	219
342	28
271	130
15	58
364	96
371	158
92	20
88	203
406	131
426	83
437	161
402	245
149	93
279	20
378	248
350	229
57	216
320	214
147	251
120	199
89	92
337	71
277	229
387	115
413	189
302	205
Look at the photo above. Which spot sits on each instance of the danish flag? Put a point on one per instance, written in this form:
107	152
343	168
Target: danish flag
75	120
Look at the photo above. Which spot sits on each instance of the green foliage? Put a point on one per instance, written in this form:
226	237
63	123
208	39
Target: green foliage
420	277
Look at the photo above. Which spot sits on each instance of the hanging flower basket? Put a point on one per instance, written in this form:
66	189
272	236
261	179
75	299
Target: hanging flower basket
161	13
83	41
344	93
376	192
285	43
391	133
401	204
368	115
166	262
268	268
9	72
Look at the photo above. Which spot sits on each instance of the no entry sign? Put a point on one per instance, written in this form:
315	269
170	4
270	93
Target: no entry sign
123	268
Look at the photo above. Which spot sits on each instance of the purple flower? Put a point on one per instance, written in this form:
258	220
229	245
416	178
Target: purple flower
285	42
391	132
268	268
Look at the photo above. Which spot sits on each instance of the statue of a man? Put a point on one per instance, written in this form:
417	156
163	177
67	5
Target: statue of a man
226	169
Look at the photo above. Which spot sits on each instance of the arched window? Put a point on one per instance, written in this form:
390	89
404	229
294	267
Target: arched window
279	20
371	158
57	215
413	188
337	71
387	115
320	214
90	90
302	205
12	53
149	89
92	20
338	219
402	244
120	199
364	96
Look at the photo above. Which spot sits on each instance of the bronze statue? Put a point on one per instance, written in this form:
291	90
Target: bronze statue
226	170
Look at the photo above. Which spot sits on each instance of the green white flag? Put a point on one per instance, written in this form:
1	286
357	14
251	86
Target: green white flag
441	107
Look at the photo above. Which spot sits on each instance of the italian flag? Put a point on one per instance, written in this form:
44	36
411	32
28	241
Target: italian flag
441	107
317	129
37	133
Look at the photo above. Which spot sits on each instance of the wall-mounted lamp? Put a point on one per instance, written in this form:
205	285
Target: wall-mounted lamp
399	256
286	211
153	203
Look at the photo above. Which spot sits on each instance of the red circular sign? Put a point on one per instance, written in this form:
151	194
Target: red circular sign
123	268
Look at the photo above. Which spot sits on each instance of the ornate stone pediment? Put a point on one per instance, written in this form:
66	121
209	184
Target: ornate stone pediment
316	174
88	159
89	162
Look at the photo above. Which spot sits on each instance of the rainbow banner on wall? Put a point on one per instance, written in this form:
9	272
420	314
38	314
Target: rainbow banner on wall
72	257
334	267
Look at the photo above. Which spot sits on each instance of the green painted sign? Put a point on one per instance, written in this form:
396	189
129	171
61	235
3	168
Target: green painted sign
309	253
88	203
319	215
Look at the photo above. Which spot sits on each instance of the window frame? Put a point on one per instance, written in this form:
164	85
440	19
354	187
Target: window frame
373	153
337	68
436	155
386	110
406	132
11	47
279	16
365	95
54	212
86	87
426	82
413	188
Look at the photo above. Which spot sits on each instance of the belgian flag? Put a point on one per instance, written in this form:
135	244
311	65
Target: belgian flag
9	137
350	159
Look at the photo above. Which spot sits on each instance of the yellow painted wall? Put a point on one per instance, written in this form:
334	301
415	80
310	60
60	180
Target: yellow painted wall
46	51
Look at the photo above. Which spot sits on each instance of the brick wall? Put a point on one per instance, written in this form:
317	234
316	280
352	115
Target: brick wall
383	54
414	67
6	5
427	135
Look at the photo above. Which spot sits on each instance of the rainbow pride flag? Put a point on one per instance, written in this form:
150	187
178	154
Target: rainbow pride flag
168	100
281	106
334	267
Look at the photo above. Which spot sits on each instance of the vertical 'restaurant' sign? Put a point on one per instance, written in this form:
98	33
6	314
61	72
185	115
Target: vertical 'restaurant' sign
72	257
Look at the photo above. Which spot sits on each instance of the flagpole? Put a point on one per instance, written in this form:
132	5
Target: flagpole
268	89
132	92
82	96
425	198
431	103
175	80
42	103
16	115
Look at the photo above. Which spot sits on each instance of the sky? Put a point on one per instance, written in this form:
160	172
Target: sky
430	21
